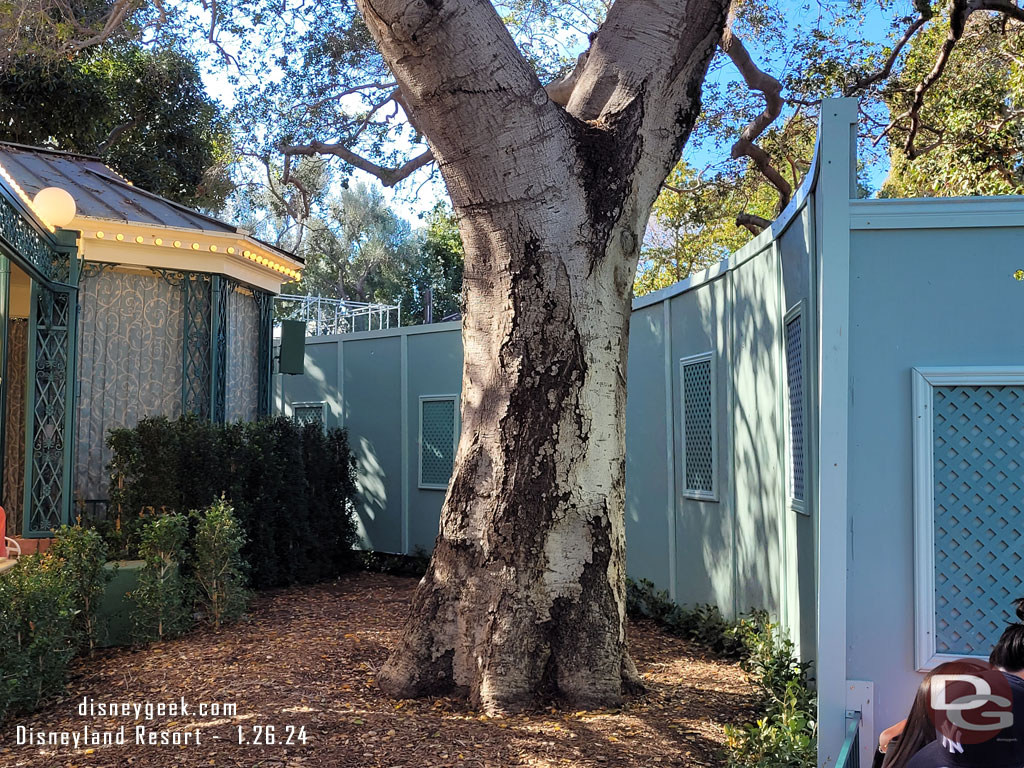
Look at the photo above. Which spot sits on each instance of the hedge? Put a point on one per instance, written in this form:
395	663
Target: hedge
291	487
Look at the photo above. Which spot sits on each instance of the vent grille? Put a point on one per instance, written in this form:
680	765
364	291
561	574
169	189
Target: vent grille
437	442
698	427
979	513
795	382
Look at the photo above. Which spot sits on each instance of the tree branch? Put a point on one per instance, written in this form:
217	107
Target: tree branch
925	15
388	176
757	80
752	223
114	136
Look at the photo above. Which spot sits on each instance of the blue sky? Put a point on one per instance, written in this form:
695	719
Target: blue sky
419	193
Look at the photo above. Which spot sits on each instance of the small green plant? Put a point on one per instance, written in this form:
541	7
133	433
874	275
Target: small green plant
82	553
703	624
786	737
162	596
395	565
219	570
37	635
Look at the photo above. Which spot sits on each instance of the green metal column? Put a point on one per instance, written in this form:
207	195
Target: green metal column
50	397
265	340
220	289
5	301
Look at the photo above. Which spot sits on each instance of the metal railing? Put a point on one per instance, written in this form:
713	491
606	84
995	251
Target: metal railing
849	755
325	316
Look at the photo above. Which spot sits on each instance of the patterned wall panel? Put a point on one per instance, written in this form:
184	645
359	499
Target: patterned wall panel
698	426
242	385
130	363
979	513
795	385
437	441
14	458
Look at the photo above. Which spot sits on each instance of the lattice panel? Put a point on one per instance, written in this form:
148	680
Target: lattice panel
265	308
25	240
437	435
979	513
308	413
698	427
196	369
795	383
221	289
47	491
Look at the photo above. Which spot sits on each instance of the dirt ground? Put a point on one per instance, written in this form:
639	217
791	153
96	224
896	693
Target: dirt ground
302	668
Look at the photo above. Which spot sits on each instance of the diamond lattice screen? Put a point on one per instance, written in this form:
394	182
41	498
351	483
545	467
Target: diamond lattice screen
312	413
979	513
437	431
795	382
698	426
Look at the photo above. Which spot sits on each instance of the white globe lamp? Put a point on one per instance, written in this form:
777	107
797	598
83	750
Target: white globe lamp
56	205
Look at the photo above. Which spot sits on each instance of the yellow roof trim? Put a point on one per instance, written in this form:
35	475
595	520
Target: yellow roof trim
233	244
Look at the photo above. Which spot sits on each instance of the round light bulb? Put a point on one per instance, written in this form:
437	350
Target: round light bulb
56	205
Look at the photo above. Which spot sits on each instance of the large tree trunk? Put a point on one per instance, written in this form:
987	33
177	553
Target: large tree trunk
524	596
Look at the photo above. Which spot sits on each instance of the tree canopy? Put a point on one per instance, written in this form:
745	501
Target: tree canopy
143	111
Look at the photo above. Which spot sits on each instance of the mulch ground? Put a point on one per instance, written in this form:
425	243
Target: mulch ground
303	665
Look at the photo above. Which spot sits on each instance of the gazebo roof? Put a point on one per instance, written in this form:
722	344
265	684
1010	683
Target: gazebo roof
123	223
99	191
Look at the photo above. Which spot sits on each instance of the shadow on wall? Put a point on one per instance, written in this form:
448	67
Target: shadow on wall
757	443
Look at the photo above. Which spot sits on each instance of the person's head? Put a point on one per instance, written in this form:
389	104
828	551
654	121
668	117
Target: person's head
1008	653
918	732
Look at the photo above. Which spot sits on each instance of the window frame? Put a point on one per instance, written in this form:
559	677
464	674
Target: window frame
456	429
924	380
321	404
796	312
697	494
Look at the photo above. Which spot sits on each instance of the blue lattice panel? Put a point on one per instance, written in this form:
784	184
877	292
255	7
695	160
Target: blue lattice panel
979	513
795	384
437	452
698	426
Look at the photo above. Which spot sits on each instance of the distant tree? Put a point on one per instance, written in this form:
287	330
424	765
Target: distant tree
434	277
144	112
972	126
358	249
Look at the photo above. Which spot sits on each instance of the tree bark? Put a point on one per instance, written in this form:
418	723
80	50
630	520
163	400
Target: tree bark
524	597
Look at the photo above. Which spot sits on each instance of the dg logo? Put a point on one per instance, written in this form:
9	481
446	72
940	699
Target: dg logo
970	703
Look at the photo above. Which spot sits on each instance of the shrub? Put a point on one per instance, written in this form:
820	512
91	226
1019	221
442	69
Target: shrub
37	634
218	568
82	553
163	605
703	624
786	736
290	485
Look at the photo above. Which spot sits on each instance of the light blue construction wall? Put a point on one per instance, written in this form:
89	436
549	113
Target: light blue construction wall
749	548
371	383
931	284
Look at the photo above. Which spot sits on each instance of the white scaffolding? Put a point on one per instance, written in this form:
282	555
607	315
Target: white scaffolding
325	316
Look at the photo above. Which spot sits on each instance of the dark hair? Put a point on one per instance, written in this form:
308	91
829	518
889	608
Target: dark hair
1008	653
917	733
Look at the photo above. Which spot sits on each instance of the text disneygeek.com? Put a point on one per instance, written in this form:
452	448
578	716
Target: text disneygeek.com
189	720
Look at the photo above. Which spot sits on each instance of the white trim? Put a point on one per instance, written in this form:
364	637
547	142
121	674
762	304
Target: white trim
691	493
456	429
923	382
670	446
796	312
405	330
938	213
836	187
403	390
